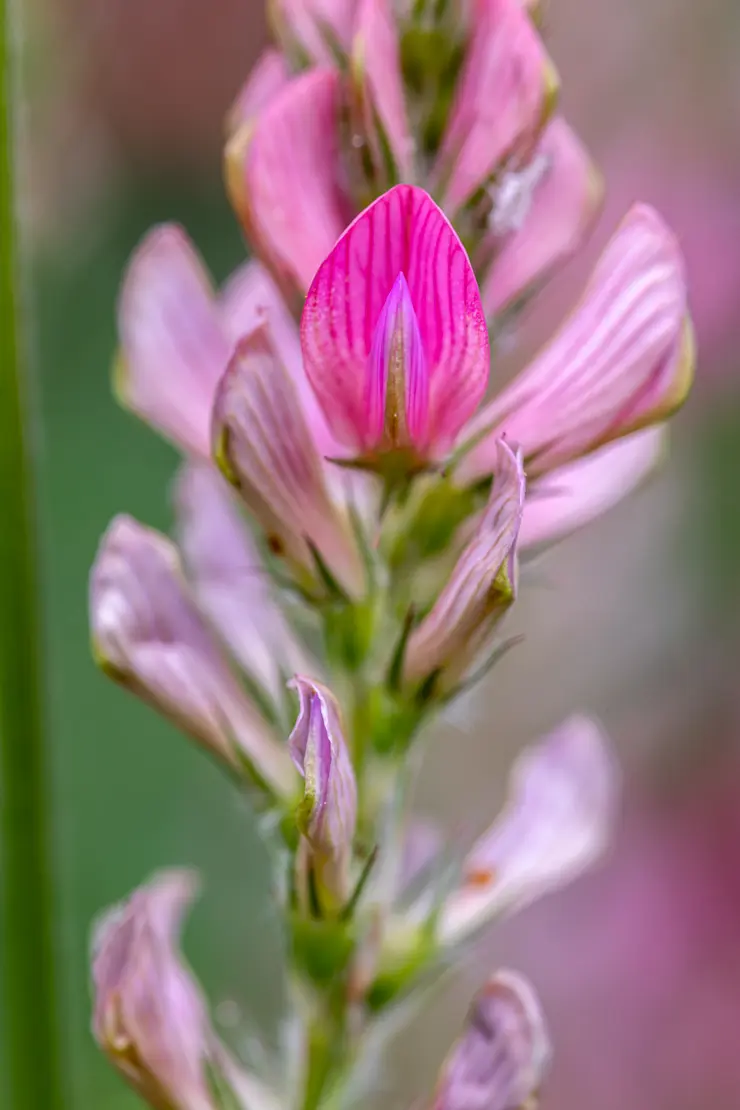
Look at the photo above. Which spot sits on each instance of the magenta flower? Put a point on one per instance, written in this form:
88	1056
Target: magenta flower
393	336
502	1056
328	813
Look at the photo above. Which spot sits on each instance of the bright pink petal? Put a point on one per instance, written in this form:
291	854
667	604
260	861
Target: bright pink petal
313	30
282	173
623	361
573	495
403	232
502	98
173	346
564	203
267	78
379	88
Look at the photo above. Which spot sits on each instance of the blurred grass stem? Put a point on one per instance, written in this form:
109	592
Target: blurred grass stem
31	1019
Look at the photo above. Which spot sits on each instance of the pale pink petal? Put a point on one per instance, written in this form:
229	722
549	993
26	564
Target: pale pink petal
282	174
573	495
263	445
148	635
565	198
502	98
378	85
501	1058
229	581
173	346
401	233
268	77
480	588
624	359
150	1016
251	299
313	30
561	811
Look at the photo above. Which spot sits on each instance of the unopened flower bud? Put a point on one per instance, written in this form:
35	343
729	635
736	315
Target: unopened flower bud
480	588
328	814
501	1058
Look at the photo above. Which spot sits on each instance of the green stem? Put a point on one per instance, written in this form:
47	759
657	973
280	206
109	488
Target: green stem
33	1057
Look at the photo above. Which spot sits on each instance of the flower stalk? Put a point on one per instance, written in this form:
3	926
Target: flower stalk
390	507
29	973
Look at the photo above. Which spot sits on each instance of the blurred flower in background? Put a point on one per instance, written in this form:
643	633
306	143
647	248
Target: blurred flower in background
638	966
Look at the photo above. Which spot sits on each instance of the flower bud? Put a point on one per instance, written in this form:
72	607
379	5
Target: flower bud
150	1017
503	1053
328	813
263	445
149	636
480	588
393	336
561	810
623	361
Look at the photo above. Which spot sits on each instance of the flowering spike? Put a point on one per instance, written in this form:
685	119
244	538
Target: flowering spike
572	495
229	582
148	635
561	809
150	1017
379	91
263	445
403	232
329	811
565	197
313	30
506	90
500	1060
623	361
173	345
281	173
479	590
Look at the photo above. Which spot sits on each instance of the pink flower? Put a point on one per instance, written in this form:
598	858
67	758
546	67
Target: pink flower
297	174
558	821
149	635
501	1058
393	335
623	361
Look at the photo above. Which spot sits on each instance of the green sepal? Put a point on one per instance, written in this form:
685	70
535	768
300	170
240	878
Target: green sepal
322	948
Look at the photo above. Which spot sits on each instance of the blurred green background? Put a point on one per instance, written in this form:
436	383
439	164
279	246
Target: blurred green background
637	619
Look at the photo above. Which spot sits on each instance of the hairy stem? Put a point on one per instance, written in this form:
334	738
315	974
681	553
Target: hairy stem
33	1058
